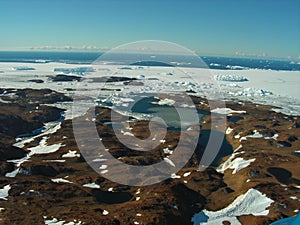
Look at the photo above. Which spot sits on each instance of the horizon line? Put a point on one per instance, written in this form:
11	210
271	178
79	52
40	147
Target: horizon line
80	50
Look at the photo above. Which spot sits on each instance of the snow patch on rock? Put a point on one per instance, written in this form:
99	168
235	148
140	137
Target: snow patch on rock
70	154
229	130
60	180
105	212
43	148
13	173
91	185
165	101
255	134
186	174
236	164
252	202
226	111
252	92
55	221
169	161
4	192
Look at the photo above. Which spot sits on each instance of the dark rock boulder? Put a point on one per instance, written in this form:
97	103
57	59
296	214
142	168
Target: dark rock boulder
281	174
11	152
284	144
14	125
133	83
6	167
16	119
111	197
112	79
292	138
42	96
38	81
65	78
43	170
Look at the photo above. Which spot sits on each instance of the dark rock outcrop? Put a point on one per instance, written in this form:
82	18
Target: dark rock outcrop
65	78
11	152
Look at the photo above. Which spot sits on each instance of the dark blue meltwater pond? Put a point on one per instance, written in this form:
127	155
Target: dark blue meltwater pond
172	119
225	149
179	118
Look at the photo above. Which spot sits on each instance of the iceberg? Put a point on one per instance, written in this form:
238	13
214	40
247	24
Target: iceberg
78	70
230	77
20	68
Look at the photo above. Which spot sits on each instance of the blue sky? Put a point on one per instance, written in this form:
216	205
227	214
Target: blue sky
215	27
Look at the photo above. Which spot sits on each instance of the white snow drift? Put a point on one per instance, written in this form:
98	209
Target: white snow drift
252	202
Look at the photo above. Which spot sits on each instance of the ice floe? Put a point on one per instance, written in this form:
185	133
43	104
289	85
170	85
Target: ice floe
267	86
252	202
235	67
78	70
20	68
252	92
230	77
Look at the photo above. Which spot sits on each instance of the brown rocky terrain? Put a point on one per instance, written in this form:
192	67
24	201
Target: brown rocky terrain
35	195
21	114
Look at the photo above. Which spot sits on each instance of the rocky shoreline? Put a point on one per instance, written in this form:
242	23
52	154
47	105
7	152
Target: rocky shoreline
61	186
